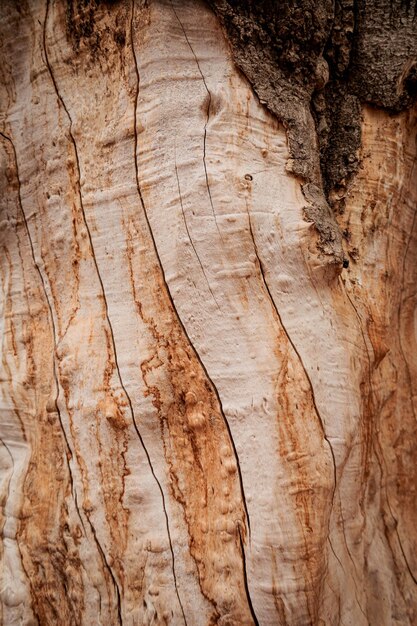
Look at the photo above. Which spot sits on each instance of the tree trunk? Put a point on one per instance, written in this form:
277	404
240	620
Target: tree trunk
208	332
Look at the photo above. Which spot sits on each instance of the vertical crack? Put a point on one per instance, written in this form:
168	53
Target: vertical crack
21	424
262	272
340	505
107	565
69	453
149	227
4	444
180	322
380	456
316	409
61	101
344	572
189	235
275	308
207	117
189	340
407	367
245	580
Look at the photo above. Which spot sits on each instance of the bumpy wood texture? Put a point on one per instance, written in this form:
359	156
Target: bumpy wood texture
202	422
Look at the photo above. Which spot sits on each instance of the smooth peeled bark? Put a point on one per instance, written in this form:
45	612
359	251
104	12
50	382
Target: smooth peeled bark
203	419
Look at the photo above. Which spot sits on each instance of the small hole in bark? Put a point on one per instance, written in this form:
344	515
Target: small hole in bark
120	37
410	81
248	177
345	263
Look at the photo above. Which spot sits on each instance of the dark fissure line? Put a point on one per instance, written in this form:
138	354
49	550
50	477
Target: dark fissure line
262	272
408	374
351	559
146	217
61	101
213	386
347	548
69	453
413	577
245	580
207	118
402	300
343	570
10	479
33	607
189	235
312	396
195	351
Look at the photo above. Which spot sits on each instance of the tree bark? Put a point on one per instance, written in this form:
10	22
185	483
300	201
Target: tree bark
208	319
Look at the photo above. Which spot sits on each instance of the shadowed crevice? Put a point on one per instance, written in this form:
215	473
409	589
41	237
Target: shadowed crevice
190	238
212	385
262	272
149	227
69	455
62	103
207	117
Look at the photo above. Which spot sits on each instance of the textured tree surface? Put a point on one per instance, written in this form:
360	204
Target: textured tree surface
208	313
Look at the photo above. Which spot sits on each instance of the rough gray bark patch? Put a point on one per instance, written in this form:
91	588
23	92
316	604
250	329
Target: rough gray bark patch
313	64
